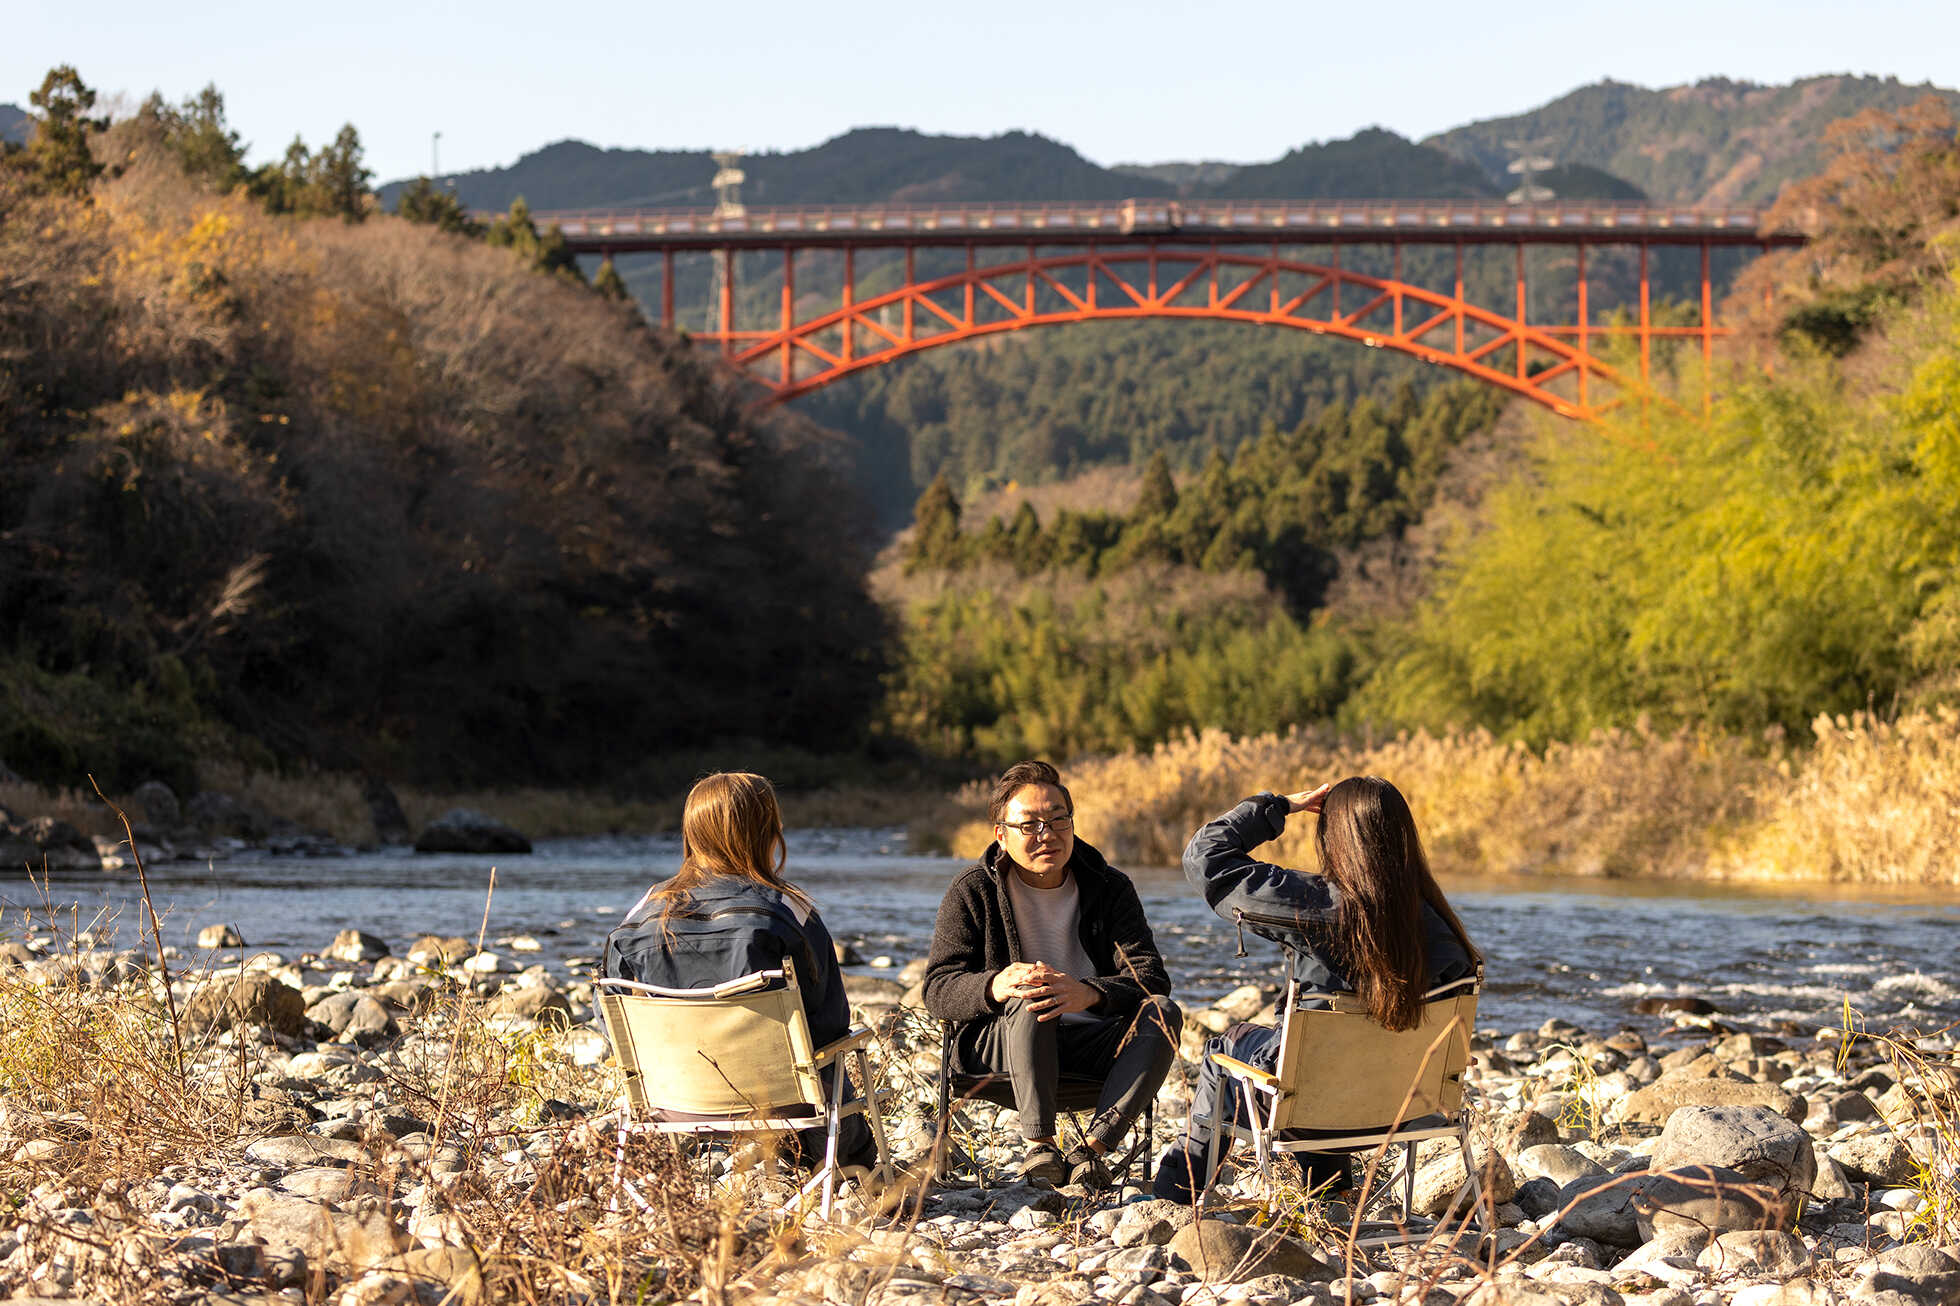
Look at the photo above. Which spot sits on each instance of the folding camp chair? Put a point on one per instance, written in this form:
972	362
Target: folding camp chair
1356	1085
1074	1094
734	1061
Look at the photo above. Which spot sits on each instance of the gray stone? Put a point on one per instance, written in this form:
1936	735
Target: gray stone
342	1241
384	811
305	1150
1759	1144
429	949
1149	1256
1705	1197
1878	1158
248	999
1916	1271
215	814
1831	1183
532	1002
1153	1221
158	805
1558	1163
356	946
1655	1104
463	830
1797	1292
1756	1254
1440	1180
220	936
1601	1210
1538	1198
1219	1252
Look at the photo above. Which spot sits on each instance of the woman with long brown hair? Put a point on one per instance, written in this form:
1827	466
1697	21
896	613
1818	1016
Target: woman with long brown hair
728	912
1373	923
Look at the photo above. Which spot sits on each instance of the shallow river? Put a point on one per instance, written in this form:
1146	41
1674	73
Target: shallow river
1584	950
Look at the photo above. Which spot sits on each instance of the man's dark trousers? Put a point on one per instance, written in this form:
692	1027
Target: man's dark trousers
1131	1055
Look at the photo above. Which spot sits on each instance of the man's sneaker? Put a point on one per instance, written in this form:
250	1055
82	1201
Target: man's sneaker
1087	1167
1044	1163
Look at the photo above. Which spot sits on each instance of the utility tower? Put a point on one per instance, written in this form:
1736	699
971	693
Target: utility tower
1528	162
728	204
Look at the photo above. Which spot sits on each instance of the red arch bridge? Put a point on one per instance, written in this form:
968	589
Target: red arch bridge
1330	267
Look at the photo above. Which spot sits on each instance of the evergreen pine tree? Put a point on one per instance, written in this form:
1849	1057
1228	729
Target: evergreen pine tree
609	283
1158	498
936	529
59	151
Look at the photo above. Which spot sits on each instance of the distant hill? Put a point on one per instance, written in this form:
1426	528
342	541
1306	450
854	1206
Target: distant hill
15	124
866	165
1187	177
1374	163
1717	141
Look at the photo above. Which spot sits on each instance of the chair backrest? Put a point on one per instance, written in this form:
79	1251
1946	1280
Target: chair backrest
740	1048
1344	1072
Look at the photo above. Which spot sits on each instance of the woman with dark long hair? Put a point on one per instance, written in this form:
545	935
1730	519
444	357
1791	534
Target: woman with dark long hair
728	912
1373	923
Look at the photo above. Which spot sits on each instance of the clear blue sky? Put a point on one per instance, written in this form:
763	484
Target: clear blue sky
1134	82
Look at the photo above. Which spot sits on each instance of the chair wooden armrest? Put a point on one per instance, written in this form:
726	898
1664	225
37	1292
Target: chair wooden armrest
1238	1069
856	1037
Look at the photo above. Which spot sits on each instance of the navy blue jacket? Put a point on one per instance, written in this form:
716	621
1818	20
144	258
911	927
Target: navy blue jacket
1294	909
727	928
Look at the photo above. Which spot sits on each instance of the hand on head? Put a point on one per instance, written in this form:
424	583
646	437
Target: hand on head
1308	800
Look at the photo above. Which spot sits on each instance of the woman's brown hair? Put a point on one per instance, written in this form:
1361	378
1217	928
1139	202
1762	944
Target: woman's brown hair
730	826
1369	848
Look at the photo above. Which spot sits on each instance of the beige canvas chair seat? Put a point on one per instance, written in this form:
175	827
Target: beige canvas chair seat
1349	1084
731	1061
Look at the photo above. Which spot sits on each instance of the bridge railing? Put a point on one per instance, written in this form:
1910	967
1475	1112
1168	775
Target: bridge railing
1156	216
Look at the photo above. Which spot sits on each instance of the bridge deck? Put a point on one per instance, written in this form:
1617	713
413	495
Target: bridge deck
1238	221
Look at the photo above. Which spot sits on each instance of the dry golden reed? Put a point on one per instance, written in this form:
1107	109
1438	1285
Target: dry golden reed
1873	801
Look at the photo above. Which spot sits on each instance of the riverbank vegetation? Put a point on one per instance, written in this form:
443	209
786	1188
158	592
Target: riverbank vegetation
308	492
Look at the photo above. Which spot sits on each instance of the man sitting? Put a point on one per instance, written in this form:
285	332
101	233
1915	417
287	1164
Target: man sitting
1042	958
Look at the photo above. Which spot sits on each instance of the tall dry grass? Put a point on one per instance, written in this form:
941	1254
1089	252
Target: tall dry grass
1872	801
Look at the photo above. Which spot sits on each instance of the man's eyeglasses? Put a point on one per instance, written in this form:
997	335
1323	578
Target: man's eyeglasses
1036	828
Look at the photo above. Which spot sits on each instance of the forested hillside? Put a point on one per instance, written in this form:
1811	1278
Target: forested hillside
1717	142
319	489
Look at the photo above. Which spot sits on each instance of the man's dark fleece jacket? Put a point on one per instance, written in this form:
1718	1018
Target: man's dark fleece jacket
974	938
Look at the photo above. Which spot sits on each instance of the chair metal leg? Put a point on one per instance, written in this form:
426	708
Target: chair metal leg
873	1115
830	1138
1408	1181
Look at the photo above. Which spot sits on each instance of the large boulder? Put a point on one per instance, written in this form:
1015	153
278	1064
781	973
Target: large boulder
1756	1142
1221	1252
462	830
1441	1178
247	1000
1756	1254
384	811
340	1240
55	844
1707	1197
217	814
1879	1158
157	804
1653	1105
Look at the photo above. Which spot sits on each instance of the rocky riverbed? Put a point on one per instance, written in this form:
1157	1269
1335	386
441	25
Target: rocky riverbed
393	1121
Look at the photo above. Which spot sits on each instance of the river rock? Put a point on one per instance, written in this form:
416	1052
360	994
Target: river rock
305	1150
1705	1197
1756	1254
1242	1003
384	811
1150	1221
340	1241
57	845
246	999
430	950
463	830
1219	1252
1653	1105
1440	1179
531	1002
220	936
1916	1271
1754	1141
357	946
217	814
1878	1158
1558	1163
355	1015
1600	1209
157	803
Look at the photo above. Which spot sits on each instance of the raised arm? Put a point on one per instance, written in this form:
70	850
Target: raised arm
1219	864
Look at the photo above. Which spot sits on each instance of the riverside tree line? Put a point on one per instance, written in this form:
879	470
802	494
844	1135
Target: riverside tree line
291	480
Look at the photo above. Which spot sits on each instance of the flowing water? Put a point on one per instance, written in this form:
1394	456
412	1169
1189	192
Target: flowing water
1583	950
